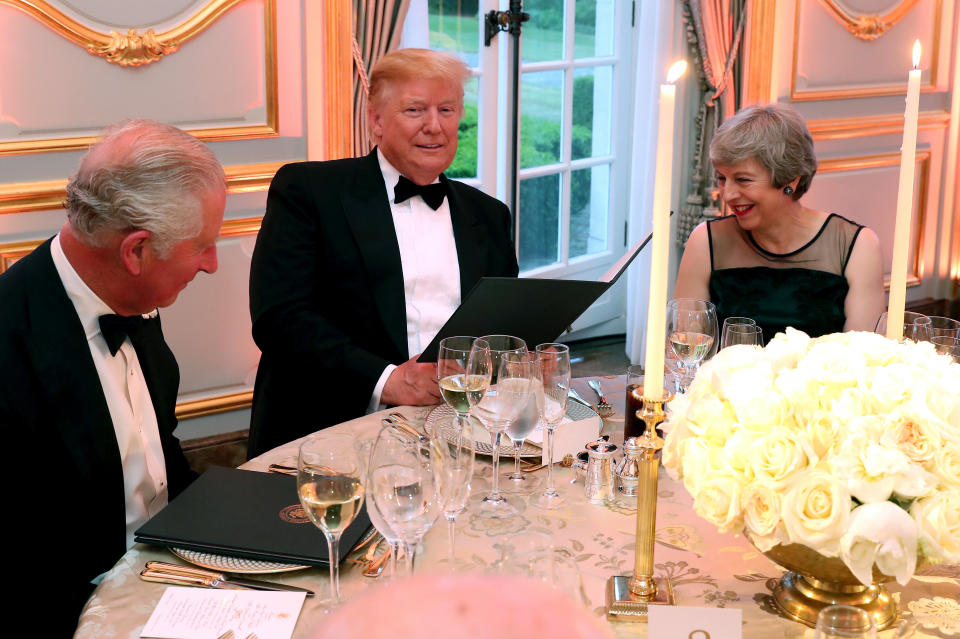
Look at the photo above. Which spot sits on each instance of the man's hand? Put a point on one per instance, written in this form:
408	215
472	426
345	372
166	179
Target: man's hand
412	384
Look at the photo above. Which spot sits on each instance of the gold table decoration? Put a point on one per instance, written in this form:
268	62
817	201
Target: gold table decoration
629	597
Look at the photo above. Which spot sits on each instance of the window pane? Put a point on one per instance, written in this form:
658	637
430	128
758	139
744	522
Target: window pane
541	100
593	28
592	112
543	33
465	163
589	210
454	27
539	212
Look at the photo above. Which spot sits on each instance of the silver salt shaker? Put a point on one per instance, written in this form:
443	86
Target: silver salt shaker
627	468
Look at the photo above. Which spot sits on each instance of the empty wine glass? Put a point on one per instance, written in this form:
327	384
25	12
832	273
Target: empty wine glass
519	429
845	622
330	487
737	333
555	378
464	368
457	478
947	346
916	326
499	407
406	484
691	333
944	326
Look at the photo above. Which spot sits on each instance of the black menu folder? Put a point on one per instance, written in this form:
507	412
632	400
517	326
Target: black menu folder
243	513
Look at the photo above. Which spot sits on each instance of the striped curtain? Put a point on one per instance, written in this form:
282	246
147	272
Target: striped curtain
377	25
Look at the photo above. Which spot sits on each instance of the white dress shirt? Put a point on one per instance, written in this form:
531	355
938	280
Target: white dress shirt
431	270
128	400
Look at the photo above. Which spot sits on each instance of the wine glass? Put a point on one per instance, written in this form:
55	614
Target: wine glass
947	346
691	333
916	326
459	454
464	369
519	429
555	379
845	622
405	484
330	487
739	333
499	407
944	326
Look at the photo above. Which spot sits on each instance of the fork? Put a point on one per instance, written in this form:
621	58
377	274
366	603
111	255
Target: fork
604	408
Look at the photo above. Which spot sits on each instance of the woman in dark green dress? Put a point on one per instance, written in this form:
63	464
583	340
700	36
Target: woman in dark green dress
774	259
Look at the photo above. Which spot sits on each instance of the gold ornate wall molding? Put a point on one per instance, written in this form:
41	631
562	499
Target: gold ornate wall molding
867	26
214	405
931	53
194	25
861	126
880	160
131	49
759	53
48	195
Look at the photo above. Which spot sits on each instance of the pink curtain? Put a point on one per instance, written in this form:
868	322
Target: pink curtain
377	25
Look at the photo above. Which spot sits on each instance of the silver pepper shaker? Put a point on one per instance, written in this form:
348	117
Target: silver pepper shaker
627	469
598	483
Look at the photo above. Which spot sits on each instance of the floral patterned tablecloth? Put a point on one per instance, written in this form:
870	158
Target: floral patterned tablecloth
706	568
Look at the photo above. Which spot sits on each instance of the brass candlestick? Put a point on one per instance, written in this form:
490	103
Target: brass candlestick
629	597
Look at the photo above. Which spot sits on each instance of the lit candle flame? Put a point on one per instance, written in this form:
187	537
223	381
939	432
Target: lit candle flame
676	70
916	54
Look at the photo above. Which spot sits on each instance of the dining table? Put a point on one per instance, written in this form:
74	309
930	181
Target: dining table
705	568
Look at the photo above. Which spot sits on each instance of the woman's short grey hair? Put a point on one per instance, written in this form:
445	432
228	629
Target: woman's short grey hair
776	137
143	175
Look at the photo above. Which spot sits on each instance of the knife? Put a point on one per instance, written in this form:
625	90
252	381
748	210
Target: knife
162	572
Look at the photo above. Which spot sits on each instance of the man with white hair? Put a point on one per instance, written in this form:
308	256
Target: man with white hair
88	386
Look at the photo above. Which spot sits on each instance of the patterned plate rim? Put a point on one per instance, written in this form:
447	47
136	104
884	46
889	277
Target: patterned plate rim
443	411
225	563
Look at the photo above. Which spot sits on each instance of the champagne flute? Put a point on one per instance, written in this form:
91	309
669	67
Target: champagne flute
691	333
330	487
406	479
458	464
499	407
464	369
555	378
916	326
519	429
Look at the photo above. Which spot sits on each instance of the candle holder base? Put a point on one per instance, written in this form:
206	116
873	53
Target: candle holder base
623	605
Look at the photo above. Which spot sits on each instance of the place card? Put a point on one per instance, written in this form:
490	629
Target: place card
688	622
197	613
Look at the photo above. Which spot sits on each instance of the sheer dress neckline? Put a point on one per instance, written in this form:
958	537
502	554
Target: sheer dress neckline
823	227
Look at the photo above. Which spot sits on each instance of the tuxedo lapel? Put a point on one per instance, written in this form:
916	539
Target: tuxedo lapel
57	337
367	211
470	237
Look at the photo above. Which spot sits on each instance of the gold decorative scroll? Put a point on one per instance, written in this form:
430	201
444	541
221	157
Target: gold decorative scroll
48	195
866	26
131	49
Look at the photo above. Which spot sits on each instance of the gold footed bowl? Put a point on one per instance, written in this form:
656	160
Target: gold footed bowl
815	582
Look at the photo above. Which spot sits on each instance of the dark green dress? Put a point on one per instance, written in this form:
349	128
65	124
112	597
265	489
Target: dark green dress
804	289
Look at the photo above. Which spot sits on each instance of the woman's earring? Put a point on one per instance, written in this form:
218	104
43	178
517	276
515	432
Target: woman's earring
788	190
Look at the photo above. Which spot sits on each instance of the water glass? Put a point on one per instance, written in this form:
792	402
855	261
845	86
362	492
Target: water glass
944	326
555	377
633	426
845	622
916	326
738	333
947	346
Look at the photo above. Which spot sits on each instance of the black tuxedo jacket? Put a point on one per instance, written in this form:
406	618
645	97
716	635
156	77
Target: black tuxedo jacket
326	290
62	466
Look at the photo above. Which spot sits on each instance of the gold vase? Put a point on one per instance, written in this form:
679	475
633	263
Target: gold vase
815	582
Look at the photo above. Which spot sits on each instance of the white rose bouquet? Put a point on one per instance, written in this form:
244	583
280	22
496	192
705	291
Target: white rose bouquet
848	444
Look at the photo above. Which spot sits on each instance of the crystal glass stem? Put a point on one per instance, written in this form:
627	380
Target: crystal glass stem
333	546
551	490
452	537
408	549
495	492
516	459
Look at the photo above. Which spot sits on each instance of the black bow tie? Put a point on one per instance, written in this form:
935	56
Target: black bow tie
432	194
116	328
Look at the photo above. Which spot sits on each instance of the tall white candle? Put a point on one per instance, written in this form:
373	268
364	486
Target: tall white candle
660	250
901	236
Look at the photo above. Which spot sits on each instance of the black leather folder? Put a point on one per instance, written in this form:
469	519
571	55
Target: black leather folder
243	513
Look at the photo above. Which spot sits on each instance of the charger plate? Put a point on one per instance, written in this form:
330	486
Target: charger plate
443	418
236	565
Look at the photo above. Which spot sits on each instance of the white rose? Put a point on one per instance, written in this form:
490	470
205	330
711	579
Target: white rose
776	458
946	465
711	418
696	463
816	512
786	349
873	472
823	432
718	501
885	386
761	515
914	437
938	523
801	391
883	533
736	455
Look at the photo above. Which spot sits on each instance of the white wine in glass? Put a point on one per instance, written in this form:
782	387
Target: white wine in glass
691	332
330	488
